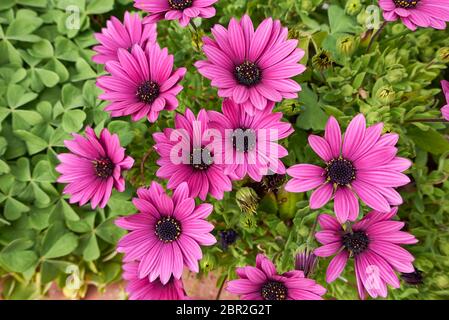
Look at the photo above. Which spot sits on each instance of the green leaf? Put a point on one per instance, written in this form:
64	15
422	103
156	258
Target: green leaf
48	78
91	250
58	242
42	49
68	211
14	208
71	97
84	71
430	140
123	130
72	120
99	6
16	258
34	143
339	22
22	170
109	232
313	117
17	96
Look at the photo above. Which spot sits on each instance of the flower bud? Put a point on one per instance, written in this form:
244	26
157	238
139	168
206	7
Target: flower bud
207	263
443	54
227	238
322	60
247	200
413	278
395	75
423	41
306	262
353	7
385	95
347	90
248	222
346	45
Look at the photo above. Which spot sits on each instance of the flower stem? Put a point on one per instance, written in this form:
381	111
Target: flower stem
376	35
221	288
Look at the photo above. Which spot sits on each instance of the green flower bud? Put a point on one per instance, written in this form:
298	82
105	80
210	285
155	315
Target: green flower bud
385	95
347	90
362	18
395	75
397	28
248	222
423	41
443	54
345	72
306	5
442	281
353	7
207	263
322	60
346	45
247	200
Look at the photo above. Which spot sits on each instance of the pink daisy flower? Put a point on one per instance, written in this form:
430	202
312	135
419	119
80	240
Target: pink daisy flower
117	35
262	282
417	13
252	67
93	167
363	163
187	155
250	141
373	242
166	234
142	83
181	10
144	289
445	109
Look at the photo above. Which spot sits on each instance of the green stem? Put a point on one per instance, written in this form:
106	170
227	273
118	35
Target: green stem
221	288
376	35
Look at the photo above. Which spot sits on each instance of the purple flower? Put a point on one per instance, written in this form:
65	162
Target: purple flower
196	164
144	289
117	35
264	283
181	10
166	234
250	141
142	83
252	68
417	13
363	163
373	242
93	167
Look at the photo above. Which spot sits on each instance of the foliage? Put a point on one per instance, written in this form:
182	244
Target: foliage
47	91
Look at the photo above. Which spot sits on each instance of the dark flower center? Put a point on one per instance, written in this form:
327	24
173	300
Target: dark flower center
167	229
147	92
274	290
248	74
406	3
356	242
340	171
200	158
244	140
227	237
180	4
413	278
103	168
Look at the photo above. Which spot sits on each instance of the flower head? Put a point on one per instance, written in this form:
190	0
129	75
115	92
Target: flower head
445	109
187	155
417	13
117	35
252	67
262	282
374	244
144	289
166	234
93	167
306	262
181	10
363	163
250	141
142	83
